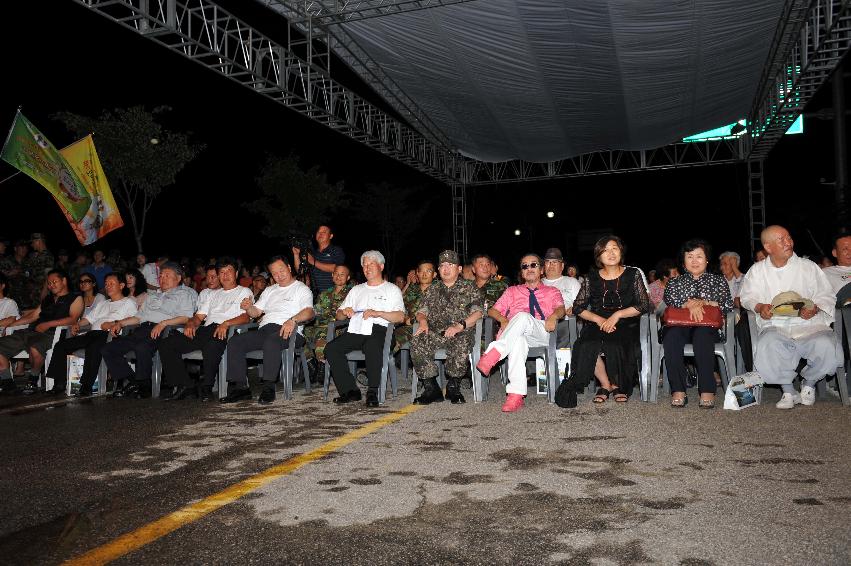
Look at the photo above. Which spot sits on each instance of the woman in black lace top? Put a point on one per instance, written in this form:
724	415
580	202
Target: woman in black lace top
695	289
611	300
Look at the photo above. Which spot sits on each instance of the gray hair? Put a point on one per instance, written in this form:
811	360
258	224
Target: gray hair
374	255
733	255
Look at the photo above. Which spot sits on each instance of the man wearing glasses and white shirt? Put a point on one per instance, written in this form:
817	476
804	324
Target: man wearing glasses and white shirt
372	307
526	313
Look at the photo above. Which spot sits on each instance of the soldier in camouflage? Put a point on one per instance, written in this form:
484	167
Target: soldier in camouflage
13	268
39	262
412	297
490	287
445	318
326	311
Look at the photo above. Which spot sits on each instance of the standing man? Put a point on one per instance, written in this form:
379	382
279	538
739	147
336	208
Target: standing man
322	260
446	316
285	307
172	304
98	268
38	264
151	271
371	307
784	340
526	313
60	308
207	330
19	278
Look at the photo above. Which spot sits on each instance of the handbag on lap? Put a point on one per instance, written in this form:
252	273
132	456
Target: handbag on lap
712	317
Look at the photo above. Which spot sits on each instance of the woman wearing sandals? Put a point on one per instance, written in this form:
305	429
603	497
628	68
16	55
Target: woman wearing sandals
611	300
694	290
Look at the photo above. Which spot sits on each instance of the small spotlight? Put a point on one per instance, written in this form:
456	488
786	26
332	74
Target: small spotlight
517	232
551	214
154	141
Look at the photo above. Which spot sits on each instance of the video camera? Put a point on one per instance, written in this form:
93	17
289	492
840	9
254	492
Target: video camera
303	242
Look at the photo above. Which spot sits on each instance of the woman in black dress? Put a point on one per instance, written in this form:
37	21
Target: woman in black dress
611	301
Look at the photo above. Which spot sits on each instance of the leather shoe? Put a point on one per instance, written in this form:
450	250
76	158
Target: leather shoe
236	395
206	393
348	397
84	392
267	395
371	398
185	392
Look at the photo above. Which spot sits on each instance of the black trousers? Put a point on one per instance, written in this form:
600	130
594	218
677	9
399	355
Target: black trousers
139	342
268	339
176	344
373	349
92	341
743	337
703	340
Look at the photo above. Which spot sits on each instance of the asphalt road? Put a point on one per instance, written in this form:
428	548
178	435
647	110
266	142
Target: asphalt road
461	484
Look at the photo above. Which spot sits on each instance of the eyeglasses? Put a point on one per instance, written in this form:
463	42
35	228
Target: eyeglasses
87	281
533	265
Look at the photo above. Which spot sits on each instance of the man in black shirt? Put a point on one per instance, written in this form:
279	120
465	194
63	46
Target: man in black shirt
322	259
59	308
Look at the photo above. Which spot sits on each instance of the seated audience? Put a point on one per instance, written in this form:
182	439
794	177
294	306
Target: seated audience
446	317
172	304
284	308
798	331
99	268
90	334
8	308
219	308
526	314
611	300
258	284
137	287
151	271
489	287
425	276
377	304
60	308
553	276
694	290
326	312
730	271
666	269
839	275
89	290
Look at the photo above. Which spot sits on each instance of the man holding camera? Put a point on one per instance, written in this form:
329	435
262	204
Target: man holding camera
322	260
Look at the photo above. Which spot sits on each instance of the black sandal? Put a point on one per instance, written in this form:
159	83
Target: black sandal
621	397
602	395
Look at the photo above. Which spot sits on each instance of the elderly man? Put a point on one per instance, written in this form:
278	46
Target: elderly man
784	340
173	304
285	307
526	313
730	270
218	310
371	308
446	316
60	308
568	286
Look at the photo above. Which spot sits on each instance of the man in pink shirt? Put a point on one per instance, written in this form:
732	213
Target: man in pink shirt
526	313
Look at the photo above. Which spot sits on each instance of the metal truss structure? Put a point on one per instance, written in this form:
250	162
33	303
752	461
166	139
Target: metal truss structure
756	203
811	38
333	12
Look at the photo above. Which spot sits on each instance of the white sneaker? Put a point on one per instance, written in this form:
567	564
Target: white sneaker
808	395
788	401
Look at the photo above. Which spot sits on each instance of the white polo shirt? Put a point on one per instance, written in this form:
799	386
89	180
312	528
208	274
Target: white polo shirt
108	311
384	297
279	304
220	305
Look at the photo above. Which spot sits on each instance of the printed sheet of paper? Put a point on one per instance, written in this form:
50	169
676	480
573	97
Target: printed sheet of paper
357	325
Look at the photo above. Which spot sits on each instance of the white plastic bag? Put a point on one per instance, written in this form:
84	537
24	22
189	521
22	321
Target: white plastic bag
743	391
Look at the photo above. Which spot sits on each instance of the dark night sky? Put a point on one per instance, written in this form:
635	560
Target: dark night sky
77	61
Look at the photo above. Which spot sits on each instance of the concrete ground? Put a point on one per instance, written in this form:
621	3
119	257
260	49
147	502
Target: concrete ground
461	484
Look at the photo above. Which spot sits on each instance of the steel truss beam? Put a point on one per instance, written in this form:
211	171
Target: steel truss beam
203	32
333	12
459	220
756	203
811	38
674	156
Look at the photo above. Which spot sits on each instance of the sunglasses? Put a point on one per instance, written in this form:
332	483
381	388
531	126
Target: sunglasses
89	281
533	265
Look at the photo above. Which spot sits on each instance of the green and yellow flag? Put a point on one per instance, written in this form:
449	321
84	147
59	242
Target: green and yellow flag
29	151
102	217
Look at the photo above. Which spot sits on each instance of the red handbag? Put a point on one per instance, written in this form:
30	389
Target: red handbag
712	317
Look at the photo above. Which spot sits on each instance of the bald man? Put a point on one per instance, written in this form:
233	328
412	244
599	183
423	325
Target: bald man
784	340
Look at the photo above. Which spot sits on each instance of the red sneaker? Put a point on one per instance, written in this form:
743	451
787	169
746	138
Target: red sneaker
514	402
487	361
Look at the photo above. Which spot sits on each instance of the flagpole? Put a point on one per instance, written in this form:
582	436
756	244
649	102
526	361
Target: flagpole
9	177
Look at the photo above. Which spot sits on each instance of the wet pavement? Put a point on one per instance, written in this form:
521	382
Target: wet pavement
461	484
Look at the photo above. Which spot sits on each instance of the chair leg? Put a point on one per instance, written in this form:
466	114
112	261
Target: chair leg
842	383
305	372
394	384
156	376
327	381
413	385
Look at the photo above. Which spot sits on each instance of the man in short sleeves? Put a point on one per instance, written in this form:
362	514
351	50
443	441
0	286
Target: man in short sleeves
371	308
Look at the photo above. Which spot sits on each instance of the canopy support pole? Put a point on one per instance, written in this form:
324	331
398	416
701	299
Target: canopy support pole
756	203
459	220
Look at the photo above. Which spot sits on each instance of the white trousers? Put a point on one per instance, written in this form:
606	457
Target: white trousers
522	332
777	356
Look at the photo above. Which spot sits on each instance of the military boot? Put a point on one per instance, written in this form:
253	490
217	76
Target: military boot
453	390
431	392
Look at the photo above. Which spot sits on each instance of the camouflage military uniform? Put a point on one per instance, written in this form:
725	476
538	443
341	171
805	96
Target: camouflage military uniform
17	290
492	291
38	264
326	310
444	306
412	298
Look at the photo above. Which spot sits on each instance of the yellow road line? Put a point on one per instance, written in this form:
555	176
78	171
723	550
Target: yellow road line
152	531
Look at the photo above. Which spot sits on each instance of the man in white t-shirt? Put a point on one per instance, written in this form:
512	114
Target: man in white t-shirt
151	271
285	307
371	308
91	333
211	280
839	275
9	312
553	276
206	331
